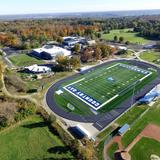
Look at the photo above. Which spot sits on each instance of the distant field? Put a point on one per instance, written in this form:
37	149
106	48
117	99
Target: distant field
145	148
108	85
32	140
151	56
24	60
127	34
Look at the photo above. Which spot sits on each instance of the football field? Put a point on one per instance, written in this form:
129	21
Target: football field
101	86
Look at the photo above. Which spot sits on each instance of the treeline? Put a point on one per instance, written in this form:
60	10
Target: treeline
149	29
145	26
97	52
27	34
82	149
89	54
33	33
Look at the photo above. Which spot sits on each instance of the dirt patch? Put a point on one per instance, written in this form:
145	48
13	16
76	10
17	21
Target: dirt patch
151	131
116	139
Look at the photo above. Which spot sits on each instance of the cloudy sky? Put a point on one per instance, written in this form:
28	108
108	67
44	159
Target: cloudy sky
52	6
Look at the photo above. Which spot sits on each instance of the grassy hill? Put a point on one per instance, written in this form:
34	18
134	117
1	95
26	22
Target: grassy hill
127	34
32	140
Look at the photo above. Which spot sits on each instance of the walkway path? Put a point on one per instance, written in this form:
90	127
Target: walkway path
7	93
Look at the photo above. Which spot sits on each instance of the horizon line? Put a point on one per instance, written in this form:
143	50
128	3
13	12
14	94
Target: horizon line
65	12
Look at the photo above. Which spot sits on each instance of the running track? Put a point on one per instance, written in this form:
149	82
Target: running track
102	120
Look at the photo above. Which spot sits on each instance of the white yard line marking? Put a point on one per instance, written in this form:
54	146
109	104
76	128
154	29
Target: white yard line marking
145	76
114	97
107	102
75	82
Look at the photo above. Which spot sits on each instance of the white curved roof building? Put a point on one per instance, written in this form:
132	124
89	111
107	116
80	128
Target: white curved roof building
38	69
49	52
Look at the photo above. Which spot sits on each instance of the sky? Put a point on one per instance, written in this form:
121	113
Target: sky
54	6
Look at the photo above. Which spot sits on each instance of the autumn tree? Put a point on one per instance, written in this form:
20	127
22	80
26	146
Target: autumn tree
87	55
77	48
98	53
74	62
105	51
88	152
62	60
60	40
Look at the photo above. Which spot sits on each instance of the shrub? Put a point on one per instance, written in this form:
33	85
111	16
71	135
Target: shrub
3	122
32	91
24	112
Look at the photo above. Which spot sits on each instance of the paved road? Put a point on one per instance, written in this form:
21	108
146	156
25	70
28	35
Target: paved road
102	120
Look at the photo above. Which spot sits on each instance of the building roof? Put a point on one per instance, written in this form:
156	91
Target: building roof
83	130
149	97
38	69
124	129
122	48
53	50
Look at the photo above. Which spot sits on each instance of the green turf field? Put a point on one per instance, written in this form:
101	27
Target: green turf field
24	60
109	85
145	148
32	140
127	34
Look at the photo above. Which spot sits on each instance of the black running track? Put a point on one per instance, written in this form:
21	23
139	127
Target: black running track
102	120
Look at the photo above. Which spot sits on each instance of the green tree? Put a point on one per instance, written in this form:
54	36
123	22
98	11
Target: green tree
115	38
121	39
99	35
3	121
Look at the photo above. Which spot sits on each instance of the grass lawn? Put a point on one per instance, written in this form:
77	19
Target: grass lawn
24	60
152	116
151	56
129	117
32	140
145	148
128	35
112	150
99	150
105	133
